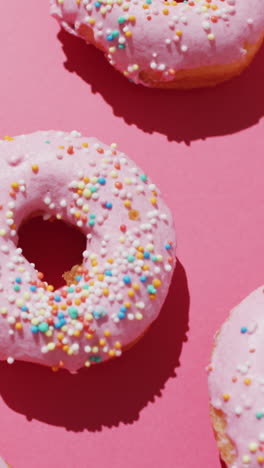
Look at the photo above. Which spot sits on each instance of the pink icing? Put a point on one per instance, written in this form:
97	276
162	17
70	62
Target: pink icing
165	37
127	265
236	379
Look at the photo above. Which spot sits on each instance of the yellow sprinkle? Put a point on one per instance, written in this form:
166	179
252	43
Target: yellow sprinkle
127	203
51	346
107	333
85	145
89	317
87	363
76	333
18	326
15	185
253	447
35	168
111	353
133	215
102	342
136	286
156	283
153	200
178	33
211	37
91	21
247	381
226	396
118	345
130	293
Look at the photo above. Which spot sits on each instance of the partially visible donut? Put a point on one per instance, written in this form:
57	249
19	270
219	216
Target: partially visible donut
236	385
118	291
169	44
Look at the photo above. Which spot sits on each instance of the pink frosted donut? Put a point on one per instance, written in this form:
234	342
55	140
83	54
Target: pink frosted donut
186	44
118	291
236	385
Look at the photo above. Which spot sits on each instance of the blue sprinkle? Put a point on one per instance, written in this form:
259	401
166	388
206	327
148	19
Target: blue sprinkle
18	280
61	315
78	278
146	255
167	246
143	278
33	288
108	273
243	329
123	309
60	323
57	298
99	312
151	289
102	180
24	308
127	279
97	4
34	329
121	315
109	205
109	37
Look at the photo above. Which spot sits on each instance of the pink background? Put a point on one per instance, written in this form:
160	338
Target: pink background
205	151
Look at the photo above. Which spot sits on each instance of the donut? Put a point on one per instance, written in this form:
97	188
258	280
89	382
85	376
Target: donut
108	302
169	44
236	385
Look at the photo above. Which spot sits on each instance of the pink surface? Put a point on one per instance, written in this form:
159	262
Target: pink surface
204	150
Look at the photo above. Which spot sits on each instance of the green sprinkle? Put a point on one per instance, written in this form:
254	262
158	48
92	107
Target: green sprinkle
93	189
154	258
48	142
86	286
73	312
143	177
43	327
121	46
121	19
131	258
259	415
91	222
95	358
70	289
92	216
115	33
151	289
16	287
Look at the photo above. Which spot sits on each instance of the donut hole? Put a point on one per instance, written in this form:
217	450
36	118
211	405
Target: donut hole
54	246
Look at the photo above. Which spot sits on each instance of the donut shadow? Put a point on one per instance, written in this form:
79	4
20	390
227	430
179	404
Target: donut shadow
111	393
182	116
